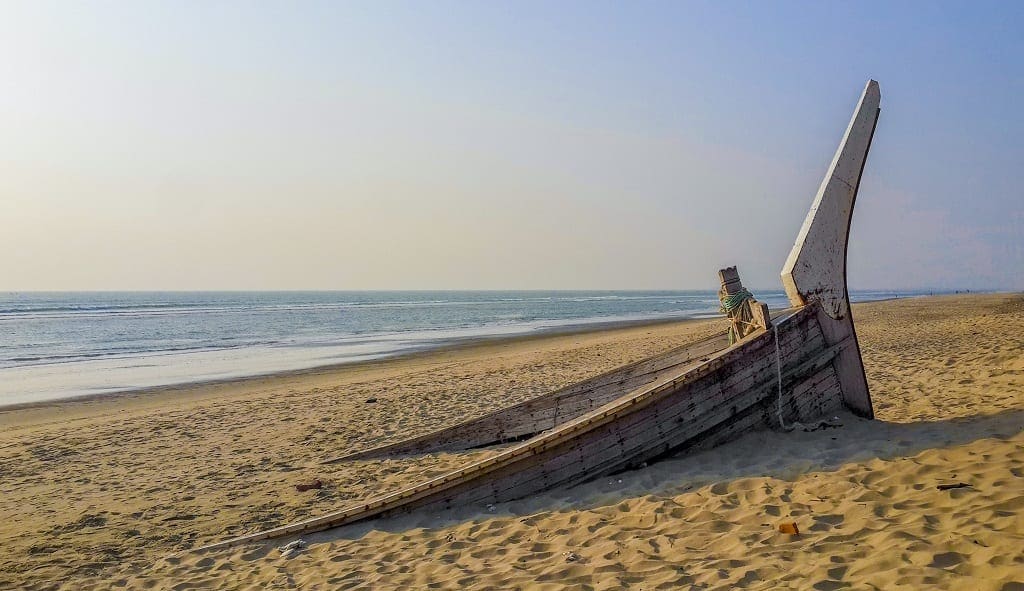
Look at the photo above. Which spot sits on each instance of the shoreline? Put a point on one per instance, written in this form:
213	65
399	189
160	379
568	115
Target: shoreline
87	404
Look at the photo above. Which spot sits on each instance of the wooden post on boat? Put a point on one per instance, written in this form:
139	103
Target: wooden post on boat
815	271
746	314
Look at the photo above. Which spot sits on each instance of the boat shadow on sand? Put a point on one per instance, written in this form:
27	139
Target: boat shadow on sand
785	457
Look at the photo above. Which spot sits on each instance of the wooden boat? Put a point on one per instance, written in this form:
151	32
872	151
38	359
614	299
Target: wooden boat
798	366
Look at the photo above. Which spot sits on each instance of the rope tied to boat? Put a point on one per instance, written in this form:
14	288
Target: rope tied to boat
734	301
778	375
737	307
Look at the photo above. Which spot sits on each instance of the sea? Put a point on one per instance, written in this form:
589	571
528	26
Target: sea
63	345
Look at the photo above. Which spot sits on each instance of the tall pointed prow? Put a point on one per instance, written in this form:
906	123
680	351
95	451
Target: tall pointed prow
815	272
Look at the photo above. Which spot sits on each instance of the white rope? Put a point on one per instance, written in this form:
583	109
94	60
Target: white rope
778	374
778	409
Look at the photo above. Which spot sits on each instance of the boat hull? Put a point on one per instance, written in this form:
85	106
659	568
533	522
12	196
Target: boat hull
734	391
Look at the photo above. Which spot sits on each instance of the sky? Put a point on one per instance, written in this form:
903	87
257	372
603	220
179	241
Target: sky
485	145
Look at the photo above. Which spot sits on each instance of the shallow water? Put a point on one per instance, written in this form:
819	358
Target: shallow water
58	345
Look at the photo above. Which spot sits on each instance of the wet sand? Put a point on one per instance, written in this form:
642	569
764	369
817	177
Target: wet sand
101	493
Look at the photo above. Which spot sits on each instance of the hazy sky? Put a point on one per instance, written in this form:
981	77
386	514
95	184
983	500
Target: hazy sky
220	145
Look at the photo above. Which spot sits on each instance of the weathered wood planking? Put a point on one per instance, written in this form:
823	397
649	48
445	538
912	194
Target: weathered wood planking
733	392
539	414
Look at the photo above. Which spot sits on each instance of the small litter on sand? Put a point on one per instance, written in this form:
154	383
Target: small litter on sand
952	486
310	486
790	528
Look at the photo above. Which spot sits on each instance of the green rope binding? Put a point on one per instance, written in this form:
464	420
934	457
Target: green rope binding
734	301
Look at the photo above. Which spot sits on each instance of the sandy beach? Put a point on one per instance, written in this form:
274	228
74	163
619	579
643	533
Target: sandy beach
111	492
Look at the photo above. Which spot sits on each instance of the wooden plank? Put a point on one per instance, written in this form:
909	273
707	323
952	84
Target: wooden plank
543	413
